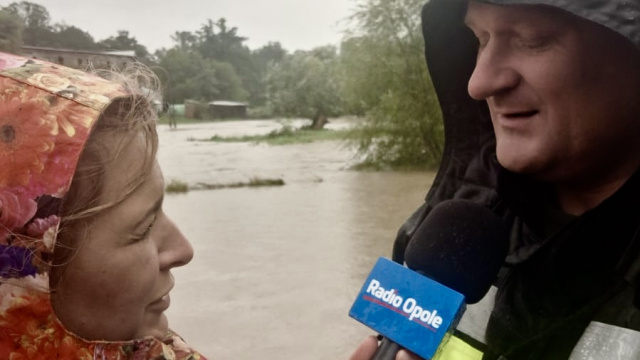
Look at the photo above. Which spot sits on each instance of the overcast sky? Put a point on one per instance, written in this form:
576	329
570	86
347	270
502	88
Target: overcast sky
296	24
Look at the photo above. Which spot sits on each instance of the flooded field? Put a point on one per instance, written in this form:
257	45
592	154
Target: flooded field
276	268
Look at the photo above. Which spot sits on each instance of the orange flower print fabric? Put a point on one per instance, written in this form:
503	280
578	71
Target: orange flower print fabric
46	115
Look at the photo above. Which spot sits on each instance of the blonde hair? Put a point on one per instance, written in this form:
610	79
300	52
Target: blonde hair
124	119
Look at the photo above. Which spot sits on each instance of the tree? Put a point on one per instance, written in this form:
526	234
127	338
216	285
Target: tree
269	54
305	85
191	76
35	19
123	41
385	78
71	37
219	42
223	45
184	40
263	58
229	83
10	32
36	30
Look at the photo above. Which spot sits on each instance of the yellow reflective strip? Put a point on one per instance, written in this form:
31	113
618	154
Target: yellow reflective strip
456	349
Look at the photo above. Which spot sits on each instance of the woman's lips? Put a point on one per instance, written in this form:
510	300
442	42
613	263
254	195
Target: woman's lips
161	304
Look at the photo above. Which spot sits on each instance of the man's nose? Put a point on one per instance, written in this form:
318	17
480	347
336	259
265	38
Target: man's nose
493	73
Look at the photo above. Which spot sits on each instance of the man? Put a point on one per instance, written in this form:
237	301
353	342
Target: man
547	135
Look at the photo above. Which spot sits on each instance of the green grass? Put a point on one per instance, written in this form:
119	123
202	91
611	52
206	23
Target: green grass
183	120
285	136
177	186
253	182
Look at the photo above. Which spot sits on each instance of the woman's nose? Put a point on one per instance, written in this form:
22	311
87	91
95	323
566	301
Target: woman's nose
174	249
493	74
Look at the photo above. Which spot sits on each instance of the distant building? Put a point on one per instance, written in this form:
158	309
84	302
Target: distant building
228	110
81	59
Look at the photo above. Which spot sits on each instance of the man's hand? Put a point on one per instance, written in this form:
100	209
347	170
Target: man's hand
368	347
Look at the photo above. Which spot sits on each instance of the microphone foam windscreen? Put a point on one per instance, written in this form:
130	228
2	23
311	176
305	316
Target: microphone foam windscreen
461	245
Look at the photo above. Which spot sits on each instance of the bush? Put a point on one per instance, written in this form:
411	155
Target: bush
177	186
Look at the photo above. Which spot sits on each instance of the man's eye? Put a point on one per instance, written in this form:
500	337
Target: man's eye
482	39
538	42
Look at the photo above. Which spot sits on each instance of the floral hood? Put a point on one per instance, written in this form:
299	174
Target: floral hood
46	114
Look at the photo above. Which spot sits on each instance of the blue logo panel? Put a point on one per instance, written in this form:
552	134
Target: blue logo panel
408	308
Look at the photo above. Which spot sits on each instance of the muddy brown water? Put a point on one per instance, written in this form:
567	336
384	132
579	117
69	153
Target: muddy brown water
276	269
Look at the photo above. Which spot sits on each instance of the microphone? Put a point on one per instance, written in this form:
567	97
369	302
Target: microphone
452	259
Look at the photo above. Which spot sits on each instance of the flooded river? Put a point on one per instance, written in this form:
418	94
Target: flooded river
276	269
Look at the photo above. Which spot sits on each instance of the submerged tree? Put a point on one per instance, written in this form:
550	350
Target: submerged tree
385	78
305	85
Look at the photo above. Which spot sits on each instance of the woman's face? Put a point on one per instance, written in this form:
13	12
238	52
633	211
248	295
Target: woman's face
116	286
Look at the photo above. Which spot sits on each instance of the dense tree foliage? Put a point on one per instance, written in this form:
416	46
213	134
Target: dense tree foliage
71	37
217	42
305	85
123	41
188	75
10	32
210	64
37	30
386	79
263	59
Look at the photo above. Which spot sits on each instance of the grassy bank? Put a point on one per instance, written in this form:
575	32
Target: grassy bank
285	136
183	120
178	186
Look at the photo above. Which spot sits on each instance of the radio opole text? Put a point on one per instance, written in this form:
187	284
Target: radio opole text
409	306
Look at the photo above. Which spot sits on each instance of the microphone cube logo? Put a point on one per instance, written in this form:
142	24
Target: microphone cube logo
408	308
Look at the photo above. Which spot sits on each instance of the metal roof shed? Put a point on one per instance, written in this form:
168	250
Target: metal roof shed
228	110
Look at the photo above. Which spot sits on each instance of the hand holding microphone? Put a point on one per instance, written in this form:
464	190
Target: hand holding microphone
368	347
455	256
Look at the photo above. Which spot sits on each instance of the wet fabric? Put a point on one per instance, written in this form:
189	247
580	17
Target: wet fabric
46	114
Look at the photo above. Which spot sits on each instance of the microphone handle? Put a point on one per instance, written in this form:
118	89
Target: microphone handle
387	350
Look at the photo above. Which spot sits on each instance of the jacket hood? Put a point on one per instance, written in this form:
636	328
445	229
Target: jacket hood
468	168
46	115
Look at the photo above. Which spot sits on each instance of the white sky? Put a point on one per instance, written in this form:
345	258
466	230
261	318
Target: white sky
296	24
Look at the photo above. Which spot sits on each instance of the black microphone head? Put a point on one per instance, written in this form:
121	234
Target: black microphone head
461	245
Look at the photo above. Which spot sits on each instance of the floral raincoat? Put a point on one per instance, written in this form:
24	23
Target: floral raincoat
46	114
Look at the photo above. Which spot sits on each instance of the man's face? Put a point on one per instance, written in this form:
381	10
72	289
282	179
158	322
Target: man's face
562	92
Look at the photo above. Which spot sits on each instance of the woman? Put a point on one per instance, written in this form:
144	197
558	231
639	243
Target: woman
85	248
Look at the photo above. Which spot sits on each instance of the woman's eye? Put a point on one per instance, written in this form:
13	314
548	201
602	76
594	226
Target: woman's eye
147	231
